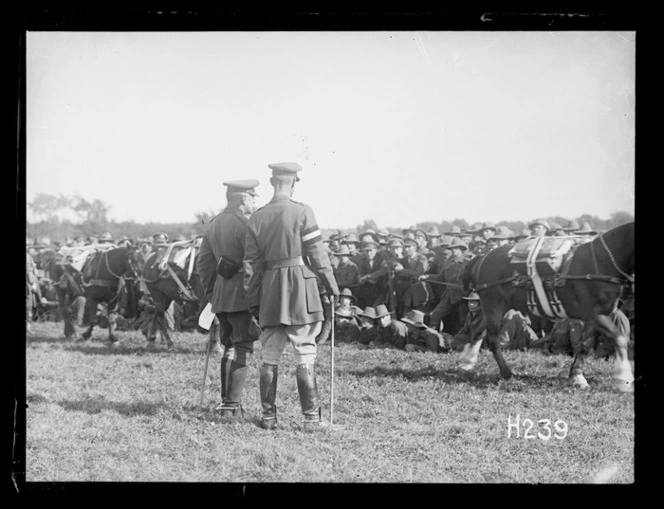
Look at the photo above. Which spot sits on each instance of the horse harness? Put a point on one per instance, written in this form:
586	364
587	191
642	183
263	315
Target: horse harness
542	288
108	283
167	270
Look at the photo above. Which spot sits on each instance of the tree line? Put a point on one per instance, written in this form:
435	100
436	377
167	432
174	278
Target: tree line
92	219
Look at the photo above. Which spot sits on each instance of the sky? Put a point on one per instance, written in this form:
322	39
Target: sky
395	126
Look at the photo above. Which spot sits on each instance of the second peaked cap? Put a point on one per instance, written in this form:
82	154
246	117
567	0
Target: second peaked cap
246	185
287	169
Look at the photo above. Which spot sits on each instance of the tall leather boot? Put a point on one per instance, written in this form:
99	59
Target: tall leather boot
308	391
268	392
224	372
236	376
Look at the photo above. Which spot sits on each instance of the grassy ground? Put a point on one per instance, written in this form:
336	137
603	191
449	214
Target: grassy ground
129	413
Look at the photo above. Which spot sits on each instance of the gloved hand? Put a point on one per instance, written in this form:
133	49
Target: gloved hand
255	312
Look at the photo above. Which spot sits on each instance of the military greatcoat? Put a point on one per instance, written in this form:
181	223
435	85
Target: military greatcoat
283	253
224	236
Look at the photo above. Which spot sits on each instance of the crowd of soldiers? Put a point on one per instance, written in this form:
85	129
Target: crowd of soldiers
400	290
405	290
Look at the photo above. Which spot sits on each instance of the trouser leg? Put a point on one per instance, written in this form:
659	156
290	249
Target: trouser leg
437	315
268	393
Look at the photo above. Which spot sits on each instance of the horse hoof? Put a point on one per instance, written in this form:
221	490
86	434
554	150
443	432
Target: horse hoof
579	382
625	387
466	368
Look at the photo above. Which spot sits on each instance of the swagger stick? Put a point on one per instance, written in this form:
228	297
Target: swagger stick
207	360
332	364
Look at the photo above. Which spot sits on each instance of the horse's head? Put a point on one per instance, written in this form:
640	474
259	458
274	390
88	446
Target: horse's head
618	243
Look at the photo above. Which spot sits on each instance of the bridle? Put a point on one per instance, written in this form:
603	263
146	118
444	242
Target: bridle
628	277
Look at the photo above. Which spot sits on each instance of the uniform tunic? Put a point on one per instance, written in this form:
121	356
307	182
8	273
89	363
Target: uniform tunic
422	339
472	330
347	274
412	293
223	236
393	335
277	277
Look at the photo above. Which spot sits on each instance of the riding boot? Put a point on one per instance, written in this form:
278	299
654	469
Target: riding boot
236	376
308	391
268	392
224	372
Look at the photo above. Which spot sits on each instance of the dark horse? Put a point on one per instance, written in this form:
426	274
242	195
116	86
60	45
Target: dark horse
168	282
105	275
589	289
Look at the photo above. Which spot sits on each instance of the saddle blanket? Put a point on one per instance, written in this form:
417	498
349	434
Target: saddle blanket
546	254
78	255
180	254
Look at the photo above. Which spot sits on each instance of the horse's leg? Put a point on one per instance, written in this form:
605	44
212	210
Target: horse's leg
577	335
622	373
91	312
112	316
493	342
470	353
160	321
168	323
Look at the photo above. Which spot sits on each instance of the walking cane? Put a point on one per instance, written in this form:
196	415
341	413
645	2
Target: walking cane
207	360
331	425
332	364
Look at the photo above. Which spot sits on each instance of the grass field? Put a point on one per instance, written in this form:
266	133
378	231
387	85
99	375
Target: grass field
129	413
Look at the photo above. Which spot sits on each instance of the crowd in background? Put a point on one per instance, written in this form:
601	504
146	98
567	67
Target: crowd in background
398	289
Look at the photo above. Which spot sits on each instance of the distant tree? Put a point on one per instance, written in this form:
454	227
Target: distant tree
368	224
202	219
91	212
620	218
48	206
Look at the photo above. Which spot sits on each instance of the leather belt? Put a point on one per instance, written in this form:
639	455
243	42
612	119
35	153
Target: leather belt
284	262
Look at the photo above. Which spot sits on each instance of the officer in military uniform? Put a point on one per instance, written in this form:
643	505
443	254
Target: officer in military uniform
284	252
220	267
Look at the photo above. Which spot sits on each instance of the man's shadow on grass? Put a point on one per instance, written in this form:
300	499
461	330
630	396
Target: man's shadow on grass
98	404
101	346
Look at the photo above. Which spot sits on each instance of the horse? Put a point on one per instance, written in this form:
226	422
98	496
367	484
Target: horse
167	281
105	275
588	286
